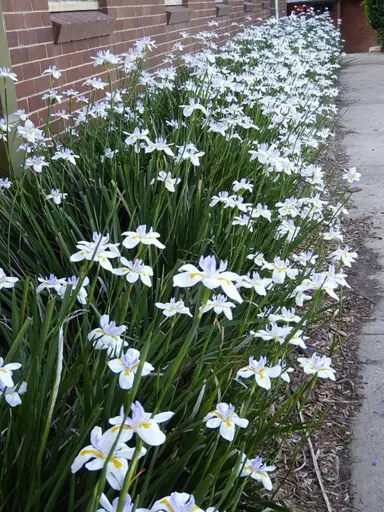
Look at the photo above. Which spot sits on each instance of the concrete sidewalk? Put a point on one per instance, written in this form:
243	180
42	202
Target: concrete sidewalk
363	124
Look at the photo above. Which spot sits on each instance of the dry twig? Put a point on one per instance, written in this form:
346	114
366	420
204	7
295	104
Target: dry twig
317	469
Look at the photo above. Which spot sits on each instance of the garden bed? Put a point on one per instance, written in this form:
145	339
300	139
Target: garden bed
170	253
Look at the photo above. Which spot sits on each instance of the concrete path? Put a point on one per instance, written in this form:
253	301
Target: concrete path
363	124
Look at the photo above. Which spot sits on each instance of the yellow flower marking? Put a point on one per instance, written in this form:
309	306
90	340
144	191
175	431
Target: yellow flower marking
117	427
146	424
261	372
164	501
116	463
226	281
95	453
227	421
196	274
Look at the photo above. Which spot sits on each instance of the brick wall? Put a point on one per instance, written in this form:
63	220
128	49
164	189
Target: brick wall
354	29
30	40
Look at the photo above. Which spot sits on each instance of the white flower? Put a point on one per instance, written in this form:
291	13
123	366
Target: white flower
344	255
288	207
256	469
52	96
141	235
5	183
189	152
259	284
322	281
56	195
305	258
258	258
281	269
127	366
145	44
141	423
286	315
29	132
211	277
23	116
260	371
160	144
173	307
105	59
48	283
72	283
108	336
299	294
243	184
225	418
134	270
176	502
67	155
222	197
108	155
220	305
62	114
4	129
6	73
52	71
318	365
96	83
36	162
285	372
98	250
136	136
237	202
260	211
351	175
273	333
70	93
193	105
243	220
95	454
12	394
169	182
112	507
6	372
333	234
298	339
289	229
6	281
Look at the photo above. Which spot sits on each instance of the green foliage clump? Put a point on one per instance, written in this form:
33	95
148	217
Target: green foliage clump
374	12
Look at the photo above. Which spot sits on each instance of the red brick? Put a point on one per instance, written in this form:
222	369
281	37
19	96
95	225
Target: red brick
40	5
34	19
13	40
19	55
38	52
22	5
7	5
27	37
35	103
31	70
44	35
14	21
25	89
